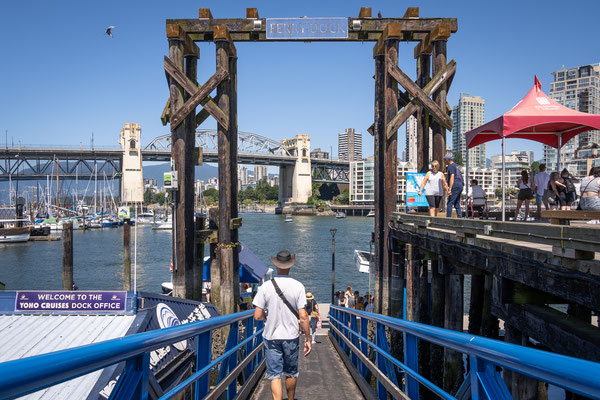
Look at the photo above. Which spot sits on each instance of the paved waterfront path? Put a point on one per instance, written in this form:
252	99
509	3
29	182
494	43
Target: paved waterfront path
322	373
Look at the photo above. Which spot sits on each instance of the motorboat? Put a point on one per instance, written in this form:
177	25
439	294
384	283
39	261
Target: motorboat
371	213
288	218
340	215
164	225
11	233
58	225
362	260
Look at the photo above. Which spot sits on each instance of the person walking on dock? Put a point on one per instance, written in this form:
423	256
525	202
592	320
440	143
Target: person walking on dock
281	303
312	308
455	184
435	185
540	181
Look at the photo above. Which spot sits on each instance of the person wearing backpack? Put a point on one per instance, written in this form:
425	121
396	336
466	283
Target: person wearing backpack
281	302
312	308
566	191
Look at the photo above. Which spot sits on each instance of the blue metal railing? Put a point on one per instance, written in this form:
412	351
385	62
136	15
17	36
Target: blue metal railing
28	375
483	381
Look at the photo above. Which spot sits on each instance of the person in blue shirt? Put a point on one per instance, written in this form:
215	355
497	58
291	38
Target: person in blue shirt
456	184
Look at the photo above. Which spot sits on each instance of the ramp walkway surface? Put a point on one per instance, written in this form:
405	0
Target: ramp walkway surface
323	375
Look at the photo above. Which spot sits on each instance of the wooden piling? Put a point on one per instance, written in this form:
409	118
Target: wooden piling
489	322
453	319
423	145
521	387
379	129
199	259
67	275
215	254
412	282
438	290
476	304
397	296
126	255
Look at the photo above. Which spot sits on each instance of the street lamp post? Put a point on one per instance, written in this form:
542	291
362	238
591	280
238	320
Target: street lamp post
333	231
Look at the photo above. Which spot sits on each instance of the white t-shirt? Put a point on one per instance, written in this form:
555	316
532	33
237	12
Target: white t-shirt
541	180
350	302
281	323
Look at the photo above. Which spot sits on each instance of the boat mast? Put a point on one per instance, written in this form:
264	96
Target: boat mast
57	190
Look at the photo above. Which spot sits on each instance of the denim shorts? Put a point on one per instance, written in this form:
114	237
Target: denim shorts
282	358
590	203
538	198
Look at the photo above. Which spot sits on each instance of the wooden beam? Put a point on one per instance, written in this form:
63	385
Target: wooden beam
365	12
175	31
166	113
423	47
252	13
441	31
197	97
433	85
204	13
221	33
192	88
420	96
393	30
411	12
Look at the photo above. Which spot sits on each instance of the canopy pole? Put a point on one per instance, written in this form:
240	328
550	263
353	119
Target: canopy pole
503	178
558	158
467	182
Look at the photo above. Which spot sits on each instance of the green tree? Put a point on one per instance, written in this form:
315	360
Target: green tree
148	196
342	198
211	195
273	193
458	158
535	167
508	192
159	198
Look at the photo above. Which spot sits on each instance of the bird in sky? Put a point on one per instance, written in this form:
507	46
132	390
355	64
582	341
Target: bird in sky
108	31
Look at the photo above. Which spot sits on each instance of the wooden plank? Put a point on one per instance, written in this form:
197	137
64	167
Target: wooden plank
411	12
441	31
420	96
197	97
192	88
571	214
392	30
252	13
204	13
434	84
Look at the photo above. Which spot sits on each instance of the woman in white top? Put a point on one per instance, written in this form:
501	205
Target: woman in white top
435	185
526	190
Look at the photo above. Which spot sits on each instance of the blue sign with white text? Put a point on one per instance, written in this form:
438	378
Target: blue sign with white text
71	300
413	183
307	28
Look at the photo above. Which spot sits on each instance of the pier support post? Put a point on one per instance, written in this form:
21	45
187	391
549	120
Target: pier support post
453	365
521	387
228	247
386	159
397	296
489	322
438	290
215	266
423	145
199	259
67	237
183	138
126	255
476	304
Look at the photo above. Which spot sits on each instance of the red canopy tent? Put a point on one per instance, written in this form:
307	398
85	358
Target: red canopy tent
536	117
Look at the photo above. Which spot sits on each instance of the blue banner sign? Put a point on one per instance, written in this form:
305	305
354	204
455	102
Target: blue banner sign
74	300
307	28
413	183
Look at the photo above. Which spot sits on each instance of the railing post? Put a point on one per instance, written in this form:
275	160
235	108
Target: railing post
234	330
259	339
381	364
411	359
353	338
364	346
203	355
249	346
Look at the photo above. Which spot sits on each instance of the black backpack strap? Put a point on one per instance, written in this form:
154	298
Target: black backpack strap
285	301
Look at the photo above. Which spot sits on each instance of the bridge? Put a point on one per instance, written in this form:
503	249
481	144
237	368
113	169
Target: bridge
25	162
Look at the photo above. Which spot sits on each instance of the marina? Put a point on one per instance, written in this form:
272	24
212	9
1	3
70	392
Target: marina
131	291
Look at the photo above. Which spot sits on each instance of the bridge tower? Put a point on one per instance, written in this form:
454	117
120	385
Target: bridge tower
295	182
132	180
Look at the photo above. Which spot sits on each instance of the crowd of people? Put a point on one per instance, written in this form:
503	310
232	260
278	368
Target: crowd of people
556	190
350	299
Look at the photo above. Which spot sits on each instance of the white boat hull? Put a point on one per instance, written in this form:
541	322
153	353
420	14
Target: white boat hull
14	238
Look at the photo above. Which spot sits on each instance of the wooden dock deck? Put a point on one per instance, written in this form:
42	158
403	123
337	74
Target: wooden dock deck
322	373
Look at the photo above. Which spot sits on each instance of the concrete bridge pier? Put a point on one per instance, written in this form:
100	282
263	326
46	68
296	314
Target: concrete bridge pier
295	182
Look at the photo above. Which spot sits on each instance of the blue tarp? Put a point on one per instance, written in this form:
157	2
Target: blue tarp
252	270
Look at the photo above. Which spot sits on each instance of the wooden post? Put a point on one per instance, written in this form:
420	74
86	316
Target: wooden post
521	387
453	365
379	129
489	322
423	77
67	237
199	259
438	290
215	266
390	190
439	133
126	255
397	296
182	153
412	283
84	220
476	304
227	143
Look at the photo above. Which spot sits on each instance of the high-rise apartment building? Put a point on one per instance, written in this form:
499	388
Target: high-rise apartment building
260	172
579	89
515	162
318	153
362	180
410	152
350	145
468	114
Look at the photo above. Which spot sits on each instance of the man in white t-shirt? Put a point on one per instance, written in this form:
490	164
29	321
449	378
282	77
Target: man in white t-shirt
540	181
281	302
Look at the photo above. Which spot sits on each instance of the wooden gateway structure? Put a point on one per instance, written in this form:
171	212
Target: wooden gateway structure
425	98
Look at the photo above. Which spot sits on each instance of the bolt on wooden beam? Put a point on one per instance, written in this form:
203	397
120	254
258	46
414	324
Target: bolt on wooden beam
365	12
251	13
204	13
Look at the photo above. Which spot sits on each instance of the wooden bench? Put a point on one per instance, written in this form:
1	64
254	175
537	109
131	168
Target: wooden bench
563	217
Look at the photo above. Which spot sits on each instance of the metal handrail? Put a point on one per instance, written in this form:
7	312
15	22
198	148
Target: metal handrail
573	374
28	375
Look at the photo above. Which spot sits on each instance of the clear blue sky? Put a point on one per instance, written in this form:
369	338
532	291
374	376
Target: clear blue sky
62	79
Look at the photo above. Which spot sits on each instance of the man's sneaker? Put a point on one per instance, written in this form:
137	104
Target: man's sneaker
314	341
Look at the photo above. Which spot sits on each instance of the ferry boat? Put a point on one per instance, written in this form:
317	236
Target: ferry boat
340	215
362	260
13	234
